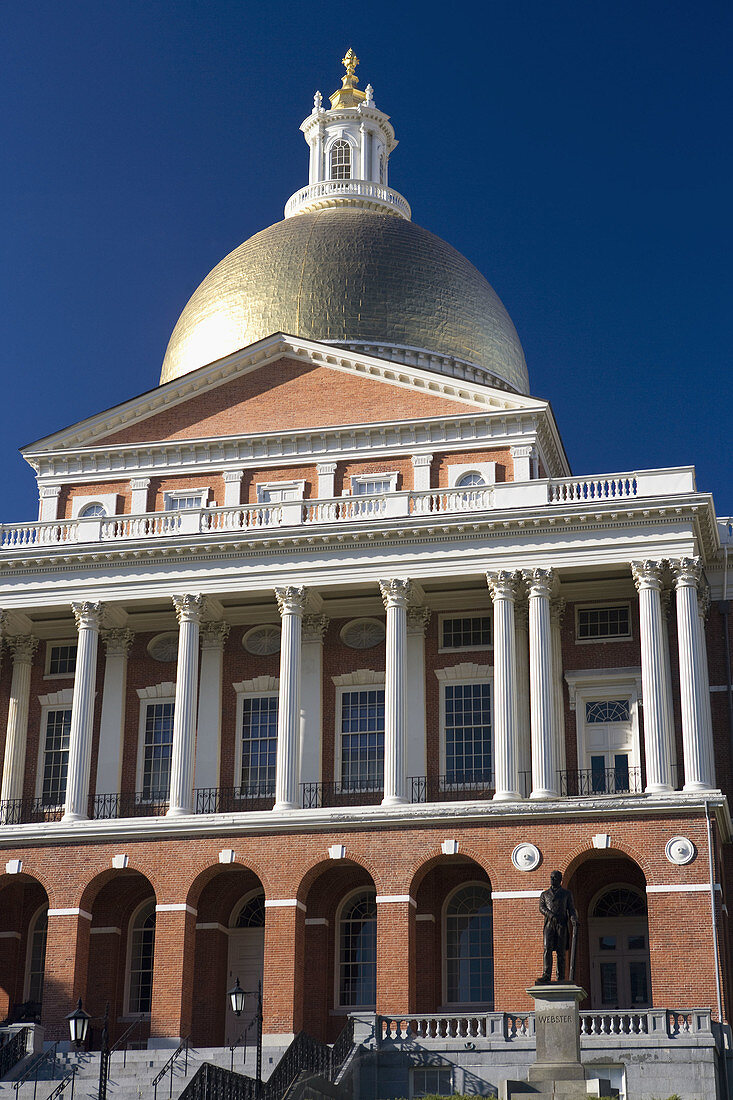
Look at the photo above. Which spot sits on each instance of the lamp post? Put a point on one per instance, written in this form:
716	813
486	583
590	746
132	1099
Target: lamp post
237	997
78	1021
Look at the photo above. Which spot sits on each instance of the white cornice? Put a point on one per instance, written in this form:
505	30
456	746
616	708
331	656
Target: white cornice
262	354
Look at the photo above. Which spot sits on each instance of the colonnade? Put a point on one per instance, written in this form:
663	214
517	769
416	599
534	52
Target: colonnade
527	667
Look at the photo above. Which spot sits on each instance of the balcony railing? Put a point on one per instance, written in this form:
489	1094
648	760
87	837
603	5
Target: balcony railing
362	792
22	811
227	800
574	784
140	804
375	196
559	492
455	787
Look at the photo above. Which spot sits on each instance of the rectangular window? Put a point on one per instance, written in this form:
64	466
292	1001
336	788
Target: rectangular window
277	494
157	750
468	752
56	757
259	742
362	740
432	1081
603	623
62	659
177	502
371	486
466	632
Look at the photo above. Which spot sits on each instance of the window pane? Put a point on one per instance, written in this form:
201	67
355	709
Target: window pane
371	486
178	503
607	710
603	622
142	947
158	750
56	757
470	947
468	733
598	773
638	983
341	160
467	632
432	1081
358	952
609	984
259	742
38	959
62	661
362	739
637	943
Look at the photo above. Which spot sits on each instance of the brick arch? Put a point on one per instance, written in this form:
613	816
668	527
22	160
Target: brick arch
28	878
206	872
321	867
98	882
582	853
465	857
21	896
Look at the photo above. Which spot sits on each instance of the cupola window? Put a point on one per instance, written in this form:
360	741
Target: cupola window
341	160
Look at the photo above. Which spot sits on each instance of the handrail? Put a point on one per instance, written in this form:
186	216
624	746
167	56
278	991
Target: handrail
126	1035
71	1076
12	1051
180	1049
35	1066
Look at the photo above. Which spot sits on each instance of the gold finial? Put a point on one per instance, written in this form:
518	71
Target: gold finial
348	94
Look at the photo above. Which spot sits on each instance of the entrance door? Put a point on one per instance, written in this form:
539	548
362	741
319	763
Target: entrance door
620	970
609	746
246	954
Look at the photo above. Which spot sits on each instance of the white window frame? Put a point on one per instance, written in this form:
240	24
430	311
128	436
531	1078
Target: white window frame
29	950
177	494
353	161
598	605
362	679
468	614
381	475
275	486
57	700
596	685
456	676
126	1013
339	1008
449	1069
159	693
50	644
456	471
460	1006
259	688
107	500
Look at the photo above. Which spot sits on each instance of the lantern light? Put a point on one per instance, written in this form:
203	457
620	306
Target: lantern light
236	997
78	1024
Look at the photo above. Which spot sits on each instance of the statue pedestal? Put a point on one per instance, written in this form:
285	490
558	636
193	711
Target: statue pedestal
557	1073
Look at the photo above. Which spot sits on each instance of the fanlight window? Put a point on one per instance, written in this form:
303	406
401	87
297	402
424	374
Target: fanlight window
358	951
341	160
142	948
469	946
607	710
620	901
92	510
252	914
469	479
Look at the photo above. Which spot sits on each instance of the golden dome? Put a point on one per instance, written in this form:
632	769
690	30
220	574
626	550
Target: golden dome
354	278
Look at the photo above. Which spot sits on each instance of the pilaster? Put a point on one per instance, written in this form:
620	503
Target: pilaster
655	685
557	613
23	648
232	488
213	638
421	464
418	618
311	697
117	643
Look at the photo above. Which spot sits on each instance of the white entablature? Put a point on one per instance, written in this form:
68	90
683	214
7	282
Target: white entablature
350	145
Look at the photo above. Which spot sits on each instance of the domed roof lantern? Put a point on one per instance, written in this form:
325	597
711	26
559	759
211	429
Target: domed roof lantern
350	145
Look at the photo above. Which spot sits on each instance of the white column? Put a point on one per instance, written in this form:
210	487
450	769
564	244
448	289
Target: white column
291	603
703	607
655	685
326	473
23	648
88	617
396	597
421	478
319	156
694	691
117	644
364	152
189	610
665	597
524	741
139	495
213	637
418	618
541	695
311	697
232	488
557	611
503	590
523	455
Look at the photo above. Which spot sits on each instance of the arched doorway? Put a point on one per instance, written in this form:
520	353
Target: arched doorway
618	936
23	931
245	960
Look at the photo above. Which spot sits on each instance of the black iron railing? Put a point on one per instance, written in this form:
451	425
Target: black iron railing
140	804
27	811
212	1082
573	784
12	1051
304	1052
224	800
342	1047
181	1052
361	792
34	1069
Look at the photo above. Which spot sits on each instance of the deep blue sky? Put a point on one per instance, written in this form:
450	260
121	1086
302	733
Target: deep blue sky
578	153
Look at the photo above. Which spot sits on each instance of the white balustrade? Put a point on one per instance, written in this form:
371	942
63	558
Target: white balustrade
371	194
572	490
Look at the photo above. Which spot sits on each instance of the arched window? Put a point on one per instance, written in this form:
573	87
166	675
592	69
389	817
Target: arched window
466	481
36	964
618	935
140	959
357	951
620	901
469	946
252	913
94	509
340	160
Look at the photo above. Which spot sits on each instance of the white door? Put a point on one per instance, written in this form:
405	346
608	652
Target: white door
620	977
246	954
609	747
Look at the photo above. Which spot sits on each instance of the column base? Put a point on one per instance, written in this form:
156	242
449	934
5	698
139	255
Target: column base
179	811
543	794
72	815
696	786
507	796
284	806
659	788
394	800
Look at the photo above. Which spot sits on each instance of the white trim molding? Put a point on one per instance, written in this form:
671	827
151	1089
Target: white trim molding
681	888
110	930
282	903
360	677
71	912
505	895
176	907
387	898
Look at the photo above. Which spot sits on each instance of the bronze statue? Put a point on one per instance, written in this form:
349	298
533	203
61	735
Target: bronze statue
556	906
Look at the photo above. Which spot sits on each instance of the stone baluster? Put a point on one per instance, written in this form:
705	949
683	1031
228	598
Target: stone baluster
291	604
189	611
503	589
88	616
694	690
396	594
117	642
208	733
542	699
655	685
23	648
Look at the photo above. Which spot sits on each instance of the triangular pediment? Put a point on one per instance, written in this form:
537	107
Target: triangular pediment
283	384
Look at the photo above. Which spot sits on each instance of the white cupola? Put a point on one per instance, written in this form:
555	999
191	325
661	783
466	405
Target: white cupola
349	152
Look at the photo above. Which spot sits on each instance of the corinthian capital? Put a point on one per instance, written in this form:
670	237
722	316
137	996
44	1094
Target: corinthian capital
540	582
23	647
315	627
291	599
418	618
503	584
557	611
647	574
189	607
214	635
88	614
686	572
117	641
396	592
